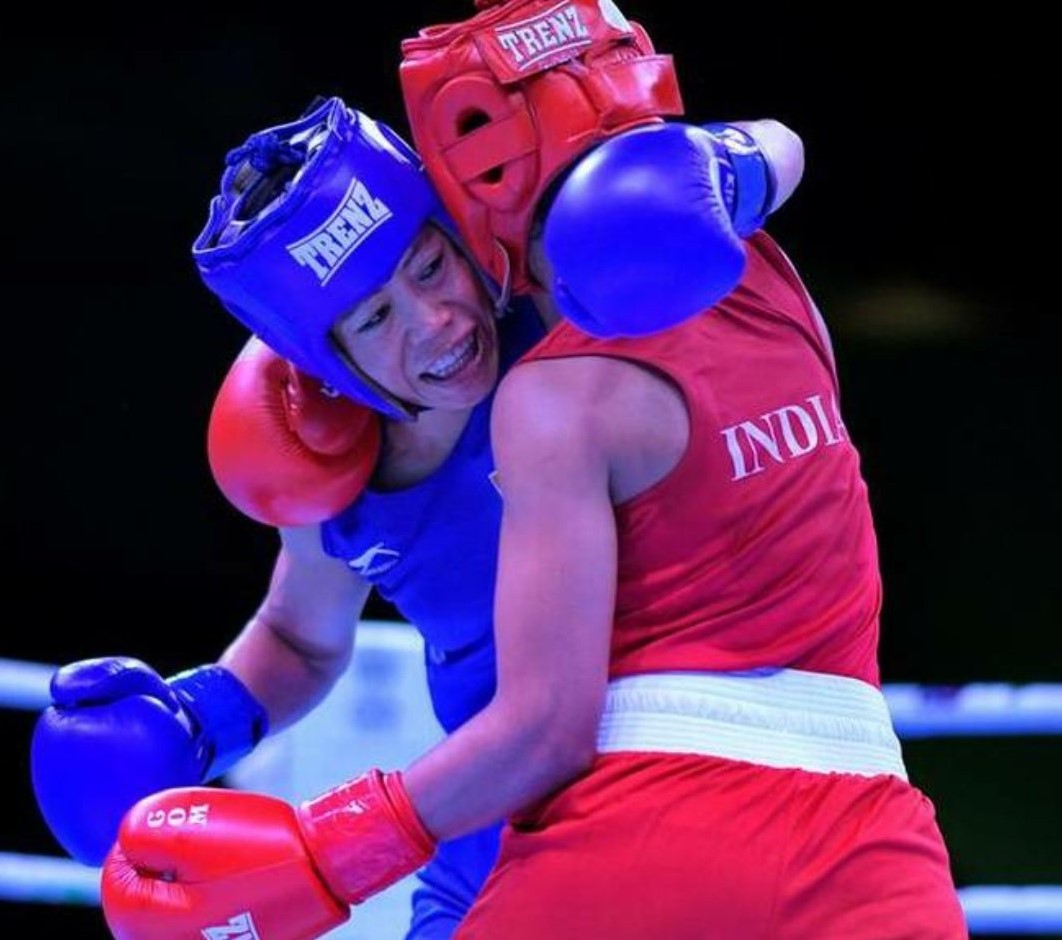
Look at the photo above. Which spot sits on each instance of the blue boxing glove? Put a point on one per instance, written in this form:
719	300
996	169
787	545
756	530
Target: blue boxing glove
646	230
116	731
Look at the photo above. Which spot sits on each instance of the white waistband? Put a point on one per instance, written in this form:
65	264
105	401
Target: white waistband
778	718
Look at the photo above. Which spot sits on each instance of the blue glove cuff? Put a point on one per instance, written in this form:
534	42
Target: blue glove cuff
746	179
229	719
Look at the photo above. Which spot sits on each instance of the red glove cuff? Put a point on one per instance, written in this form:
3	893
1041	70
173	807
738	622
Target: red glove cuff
365	835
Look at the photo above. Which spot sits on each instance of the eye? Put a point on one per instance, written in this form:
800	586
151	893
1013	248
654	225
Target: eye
373	319
430	267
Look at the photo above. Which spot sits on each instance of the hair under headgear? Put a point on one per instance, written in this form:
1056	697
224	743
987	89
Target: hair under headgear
312	217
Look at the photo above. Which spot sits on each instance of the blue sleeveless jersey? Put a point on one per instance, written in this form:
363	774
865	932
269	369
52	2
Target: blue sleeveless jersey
432	549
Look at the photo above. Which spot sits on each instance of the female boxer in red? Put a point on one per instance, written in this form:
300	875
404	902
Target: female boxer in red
688	736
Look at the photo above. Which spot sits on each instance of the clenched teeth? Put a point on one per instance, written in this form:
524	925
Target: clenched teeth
452	361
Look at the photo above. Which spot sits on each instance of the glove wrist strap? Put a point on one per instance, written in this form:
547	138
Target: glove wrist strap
745	177
365	835
229	719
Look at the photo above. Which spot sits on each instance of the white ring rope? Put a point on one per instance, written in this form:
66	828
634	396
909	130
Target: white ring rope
989	909
1011	909
918	711
42	879
980	708
24	685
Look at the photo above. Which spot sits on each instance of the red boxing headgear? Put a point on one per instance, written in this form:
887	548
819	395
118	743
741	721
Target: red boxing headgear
500	104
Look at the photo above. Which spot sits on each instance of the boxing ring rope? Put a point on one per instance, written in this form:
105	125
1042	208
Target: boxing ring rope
918	711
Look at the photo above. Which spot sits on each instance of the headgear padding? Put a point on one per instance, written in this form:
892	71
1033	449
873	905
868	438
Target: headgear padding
312	218
500	104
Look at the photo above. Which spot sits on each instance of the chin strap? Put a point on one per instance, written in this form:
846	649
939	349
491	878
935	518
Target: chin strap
501	301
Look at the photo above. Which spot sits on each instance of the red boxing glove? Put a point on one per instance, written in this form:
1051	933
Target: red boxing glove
192	861
282	450
200	862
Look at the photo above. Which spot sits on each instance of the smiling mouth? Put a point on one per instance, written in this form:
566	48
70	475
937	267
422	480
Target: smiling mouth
453	361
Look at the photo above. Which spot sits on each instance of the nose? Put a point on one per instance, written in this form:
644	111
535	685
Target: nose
430	316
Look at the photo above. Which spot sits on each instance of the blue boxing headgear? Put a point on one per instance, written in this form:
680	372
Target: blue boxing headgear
313	217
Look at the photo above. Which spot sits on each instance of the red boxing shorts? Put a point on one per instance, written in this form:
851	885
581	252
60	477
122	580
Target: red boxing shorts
769	806
680	847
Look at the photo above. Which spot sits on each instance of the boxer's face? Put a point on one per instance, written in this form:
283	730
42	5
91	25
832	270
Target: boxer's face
428	335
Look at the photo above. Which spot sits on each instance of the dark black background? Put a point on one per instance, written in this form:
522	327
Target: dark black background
915	228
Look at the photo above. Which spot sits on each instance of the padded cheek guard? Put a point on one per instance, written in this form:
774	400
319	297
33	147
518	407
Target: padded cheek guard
502	103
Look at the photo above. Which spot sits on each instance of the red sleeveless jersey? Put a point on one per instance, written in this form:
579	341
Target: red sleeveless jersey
758	549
